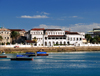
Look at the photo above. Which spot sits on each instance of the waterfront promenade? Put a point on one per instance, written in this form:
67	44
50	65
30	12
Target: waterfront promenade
50	49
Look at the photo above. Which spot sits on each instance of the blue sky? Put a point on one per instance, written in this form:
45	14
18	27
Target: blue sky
77	15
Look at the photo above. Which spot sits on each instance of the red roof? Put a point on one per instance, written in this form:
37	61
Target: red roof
68	32
38	29
16	29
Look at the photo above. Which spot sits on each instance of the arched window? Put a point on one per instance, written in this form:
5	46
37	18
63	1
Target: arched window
49	43
77	39
64	43
60	42
45	43
56	42
80	39
53	42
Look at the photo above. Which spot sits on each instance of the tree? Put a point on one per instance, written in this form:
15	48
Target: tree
97	38
1	38
88	37
14	36
94	40
35	40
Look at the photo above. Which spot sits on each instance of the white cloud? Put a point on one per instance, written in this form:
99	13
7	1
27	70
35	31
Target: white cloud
35	16
74	16
60	19
45	13
80	27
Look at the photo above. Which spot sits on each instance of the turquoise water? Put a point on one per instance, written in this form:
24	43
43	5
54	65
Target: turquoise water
56	64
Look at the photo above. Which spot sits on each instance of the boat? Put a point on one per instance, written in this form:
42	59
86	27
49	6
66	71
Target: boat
22	59
3	52
30	54
22	56
3	56
42	54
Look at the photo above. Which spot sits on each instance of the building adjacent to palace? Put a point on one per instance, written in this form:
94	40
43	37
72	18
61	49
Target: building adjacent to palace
5	33
51	37
21	38
94	32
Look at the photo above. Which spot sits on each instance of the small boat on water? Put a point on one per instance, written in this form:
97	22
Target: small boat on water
3	56
3	52
22	57
29	54
42	54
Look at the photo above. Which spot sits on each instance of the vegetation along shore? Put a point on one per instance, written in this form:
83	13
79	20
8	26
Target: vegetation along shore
50	49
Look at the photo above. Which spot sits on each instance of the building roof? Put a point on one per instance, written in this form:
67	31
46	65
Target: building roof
72	33
29	41
4	29
56	35
16	29
38	29
96	28
53	30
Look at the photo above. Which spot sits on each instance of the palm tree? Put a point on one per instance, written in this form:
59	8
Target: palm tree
88	37
14	36
1	38
97	38
35	40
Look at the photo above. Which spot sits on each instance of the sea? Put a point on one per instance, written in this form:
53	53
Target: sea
56	64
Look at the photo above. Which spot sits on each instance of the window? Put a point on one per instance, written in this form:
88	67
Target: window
60	37
49	38
53	38
80	39
56	38
77	39
45	38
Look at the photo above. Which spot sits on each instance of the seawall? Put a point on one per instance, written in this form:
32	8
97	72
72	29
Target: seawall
51	49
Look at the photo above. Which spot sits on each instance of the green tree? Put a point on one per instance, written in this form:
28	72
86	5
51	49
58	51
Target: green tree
88	37
94	40
97	38
1	38
35	40
14	36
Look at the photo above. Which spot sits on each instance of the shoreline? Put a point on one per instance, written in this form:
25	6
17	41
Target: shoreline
51	49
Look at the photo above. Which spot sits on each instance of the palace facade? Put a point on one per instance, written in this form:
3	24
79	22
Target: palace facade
51	37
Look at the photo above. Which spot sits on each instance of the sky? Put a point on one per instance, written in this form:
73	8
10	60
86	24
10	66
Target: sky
73	15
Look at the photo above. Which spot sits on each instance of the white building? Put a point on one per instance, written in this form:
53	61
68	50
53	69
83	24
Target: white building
51	37
74	37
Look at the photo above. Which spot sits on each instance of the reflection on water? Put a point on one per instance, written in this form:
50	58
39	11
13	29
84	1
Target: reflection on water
67	64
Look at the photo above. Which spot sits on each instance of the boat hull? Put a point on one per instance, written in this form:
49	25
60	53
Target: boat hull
3	56
42	54
22	59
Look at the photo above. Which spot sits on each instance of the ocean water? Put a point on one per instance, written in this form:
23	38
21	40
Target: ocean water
56	64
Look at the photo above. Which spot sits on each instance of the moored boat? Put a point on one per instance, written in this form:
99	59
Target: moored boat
42	54
3	56
22	59
29	54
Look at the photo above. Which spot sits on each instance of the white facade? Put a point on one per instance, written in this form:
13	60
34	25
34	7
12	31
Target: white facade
73	39
54	36
51	37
